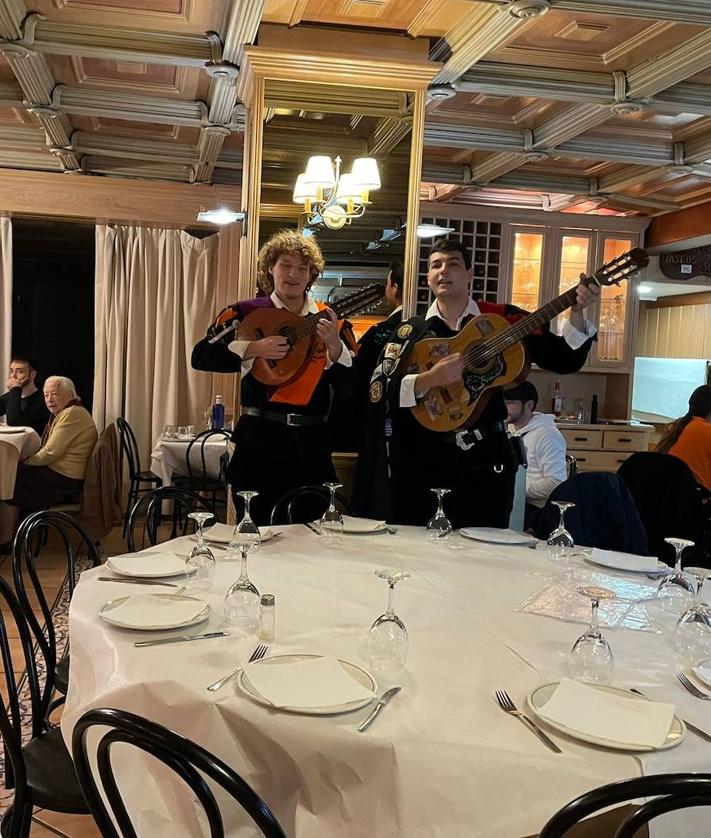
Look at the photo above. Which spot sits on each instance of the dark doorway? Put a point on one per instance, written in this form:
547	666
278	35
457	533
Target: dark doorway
53	298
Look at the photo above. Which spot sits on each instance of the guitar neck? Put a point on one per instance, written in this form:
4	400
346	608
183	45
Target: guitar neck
536	319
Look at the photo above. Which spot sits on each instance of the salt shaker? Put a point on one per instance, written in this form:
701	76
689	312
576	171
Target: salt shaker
267	618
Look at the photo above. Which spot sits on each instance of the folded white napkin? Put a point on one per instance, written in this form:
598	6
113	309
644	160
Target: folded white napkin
351	524
607	715
161	611
316	682
222	533
623	561
146	564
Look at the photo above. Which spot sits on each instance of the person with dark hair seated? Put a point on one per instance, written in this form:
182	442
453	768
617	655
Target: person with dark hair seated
689	437
55	474
23	404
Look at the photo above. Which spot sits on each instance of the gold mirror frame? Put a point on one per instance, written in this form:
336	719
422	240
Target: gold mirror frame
346	69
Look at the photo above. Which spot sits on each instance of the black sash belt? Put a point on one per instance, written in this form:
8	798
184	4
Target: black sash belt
295	420
469	438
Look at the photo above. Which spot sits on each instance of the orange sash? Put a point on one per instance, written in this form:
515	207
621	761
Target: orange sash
301	389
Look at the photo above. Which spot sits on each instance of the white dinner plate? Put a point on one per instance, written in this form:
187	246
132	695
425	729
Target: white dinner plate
222	533
610	559
538	698
164	564
702	670
5	430
361	676
362	526
106	609
494	535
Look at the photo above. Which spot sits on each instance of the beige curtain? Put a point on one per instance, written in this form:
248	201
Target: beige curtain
155	297
5	296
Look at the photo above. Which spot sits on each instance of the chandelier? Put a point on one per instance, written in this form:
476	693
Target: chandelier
333	198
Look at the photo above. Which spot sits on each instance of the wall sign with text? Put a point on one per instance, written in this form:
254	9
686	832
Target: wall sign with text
685	264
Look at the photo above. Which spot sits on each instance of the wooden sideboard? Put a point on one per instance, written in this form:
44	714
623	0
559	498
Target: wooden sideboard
604	447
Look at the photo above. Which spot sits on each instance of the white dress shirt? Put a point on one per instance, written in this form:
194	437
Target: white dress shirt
573	337
239	347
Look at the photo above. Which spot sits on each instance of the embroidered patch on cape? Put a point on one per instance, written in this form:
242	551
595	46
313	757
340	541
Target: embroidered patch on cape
404	331
375	391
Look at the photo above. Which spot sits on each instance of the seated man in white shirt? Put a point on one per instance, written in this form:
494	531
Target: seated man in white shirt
544	444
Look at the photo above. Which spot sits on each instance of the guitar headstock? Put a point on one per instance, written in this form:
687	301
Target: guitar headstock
359	300
622	267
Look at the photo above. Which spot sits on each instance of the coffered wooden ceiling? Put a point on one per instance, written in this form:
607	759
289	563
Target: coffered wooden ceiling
580	105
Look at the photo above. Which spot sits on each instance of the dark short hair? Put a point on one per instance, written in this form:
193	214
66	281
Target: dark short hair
523	392
396	274
24	359
453	246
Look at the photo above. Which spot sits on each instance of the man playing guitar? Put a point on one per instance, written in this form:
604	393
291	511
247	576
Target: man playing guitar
406	459
281	439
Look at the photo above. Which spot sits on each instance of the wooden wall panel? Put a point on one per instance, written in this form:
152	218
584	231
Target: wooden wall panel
674	331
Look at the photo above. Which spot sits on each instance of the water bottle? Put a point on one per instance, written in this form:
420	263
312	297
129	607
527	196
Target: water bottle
218	414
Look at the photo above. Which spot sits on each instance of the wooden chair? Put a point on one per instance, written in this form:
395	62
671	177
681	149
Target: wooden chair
147	513
189	761
310	499
138	481
197	480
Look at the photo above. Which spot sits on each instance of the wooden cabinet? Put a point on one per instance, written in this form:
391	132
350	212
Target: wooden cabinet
604	447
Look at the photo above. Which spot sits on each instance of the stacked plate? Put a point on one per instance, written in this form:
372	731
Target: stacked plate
494	535
155	612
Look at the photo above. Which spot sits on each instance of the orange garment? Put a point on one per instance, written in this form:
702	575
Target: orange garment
694	448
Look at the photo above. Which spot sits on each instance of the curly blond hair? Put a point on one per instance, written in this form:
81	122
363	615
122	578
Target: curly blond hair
287	241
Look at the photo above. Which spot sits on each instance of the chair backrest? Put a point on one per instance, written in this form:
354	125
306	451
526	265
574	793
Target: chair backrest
669	501
604	515
129	447
304	504
191	762
147	513
201	440
670	792
571	465
25	548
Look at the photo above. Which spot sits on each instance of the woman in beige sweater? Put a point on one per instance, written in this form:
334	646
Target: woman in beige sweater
55	474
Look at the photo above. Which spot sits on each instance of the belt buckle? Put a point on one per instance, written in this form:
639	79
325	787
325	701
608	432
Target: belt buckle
460	436
290	419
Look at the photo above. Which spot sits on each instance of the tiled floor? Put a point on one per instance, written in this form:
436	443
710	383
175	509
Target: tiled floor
52	570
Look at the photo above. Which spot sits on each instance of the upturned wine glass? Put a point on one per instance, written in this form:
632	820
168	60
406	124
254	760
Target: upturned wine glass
439	526
242	598
591	659
331	522
200	563
560	541
676	589
692	636
387	638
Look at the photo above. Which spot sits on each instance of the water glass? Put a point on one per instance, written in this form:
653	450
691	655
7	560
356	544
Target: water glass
560	541
170	432
591	659
182	431
242	599
190	430
692	636
331	522
439	527
387	639
200	563
676	589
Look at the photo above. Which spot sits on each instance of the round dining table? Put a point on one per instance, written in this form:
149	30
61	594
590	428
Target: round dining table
442	758
16	444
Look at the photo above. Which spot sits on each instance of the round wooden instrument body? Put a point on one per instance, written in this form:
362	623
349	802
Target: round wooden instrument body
270	322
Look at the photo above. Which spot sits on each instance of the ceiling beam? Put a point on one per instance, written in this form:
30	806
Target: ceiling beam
670	68
680	11
129	106
12	13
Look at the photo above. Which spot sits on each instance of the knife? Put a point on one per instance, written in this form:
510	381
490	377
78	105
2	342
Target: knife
313	529
382	701
127	581
184	638
697	730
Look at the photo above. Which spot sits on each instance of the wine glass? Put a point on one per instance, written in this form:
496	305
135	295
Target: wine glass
200	563
676	588
439	527
387	638
331	522
692	637
591	659
242	598
560	541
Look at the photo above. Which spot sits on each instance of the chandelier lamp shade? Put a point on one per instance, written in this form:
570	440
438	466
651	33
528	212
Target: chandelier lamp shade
334	198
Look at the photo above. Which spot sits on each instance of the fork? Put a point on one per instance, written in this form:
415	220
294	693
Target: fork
256	655
692	688
507	705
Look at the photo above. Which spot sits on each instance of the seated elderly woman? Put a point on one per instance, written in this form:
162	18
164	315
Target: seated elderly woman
55	474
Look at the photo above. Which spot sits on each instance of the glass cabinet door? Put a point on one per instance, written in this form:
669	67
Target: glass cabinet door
574	253
611	344
527	268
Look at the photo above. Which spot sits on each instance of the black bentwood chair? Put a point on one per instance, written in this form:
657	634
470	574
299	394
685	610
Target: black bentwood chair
197	479
136	477
146	515
187	759
670	792
41	771
302	505
31	532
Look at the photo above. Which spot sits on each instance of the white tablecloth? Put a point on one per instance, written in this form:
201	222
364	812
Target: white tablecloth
442	759
13	448
168	457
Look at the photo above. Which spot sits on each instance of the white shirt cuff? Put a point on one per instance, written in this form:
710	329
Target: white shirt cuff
407	391
576	338
345	358
239	347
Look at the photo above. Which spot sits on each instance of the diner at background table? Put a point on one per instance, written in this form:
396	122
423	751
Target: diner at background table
442	759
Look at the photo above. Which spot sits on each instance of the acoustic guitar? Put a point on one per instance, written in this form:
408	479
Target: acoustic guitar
493	353
299	331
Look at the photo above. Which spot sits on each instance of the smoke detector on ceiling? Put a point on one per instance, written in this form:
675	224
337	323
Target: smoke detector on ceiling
440	92
529	8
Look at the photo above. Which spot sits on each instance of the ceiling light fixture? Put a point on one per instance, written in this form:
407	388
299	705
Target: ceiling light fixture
221	215
429	231
644	289
333	198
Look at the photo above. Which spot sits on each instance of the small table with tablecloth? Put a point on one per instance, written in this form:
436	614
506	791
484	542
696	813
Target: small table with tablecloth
16	444
168	457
